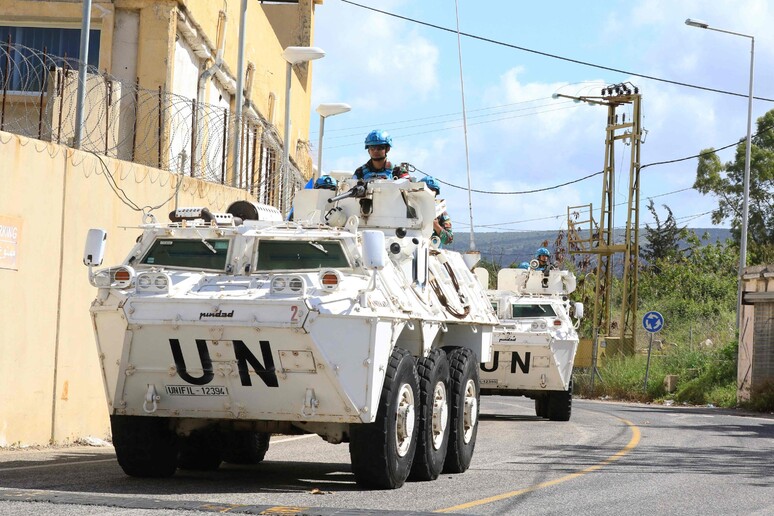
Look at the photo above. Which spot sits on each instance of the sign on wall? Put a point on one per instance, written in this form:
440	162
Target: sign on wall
10	236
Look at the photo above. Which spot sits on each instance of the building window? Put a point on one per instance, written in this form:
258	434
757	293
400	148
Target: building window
26	53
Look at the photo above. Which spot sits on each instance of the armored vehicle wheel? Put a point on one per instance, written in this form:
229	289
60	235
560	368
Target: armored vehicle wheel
560	404
382	452
433	416
464	396
541	406
245	446
145	446
200	451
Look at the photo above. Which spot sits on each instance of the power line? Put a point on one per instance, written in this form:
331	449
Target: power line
689	157
553	104
547	188
550	217
554	56
574	106
684	218
445	115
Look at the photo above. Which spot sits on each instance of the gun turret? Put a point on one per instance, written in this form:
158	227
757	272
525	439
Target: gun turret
359	190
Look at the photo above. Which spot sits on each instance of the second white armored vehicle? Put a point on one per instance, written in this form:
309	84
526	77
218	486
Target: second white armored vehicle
219	330
534	347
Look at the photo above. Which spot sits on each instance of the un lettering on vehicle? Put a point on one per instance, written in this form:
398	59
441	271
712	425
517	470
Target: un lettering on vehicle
245	360
517	362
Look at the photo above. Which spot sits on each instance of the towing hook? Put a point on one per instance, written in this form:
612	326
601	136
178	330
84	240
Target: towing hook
151	397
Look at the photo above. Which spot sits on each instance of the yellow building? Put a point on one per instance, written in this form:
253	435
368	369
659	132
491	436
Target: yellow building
159	58
172	67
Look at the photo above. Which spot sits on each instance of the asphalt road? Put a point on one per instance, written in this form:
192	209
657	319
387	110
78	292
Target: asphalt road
610	458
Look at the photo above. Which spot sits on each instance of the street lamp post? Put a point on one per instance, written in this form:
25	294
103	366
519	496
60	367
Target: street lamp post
292	55
82	73
326	110
746	182
239	93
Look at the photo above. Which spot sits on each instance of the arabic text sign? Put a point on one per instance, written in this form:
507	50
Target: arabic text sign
10	236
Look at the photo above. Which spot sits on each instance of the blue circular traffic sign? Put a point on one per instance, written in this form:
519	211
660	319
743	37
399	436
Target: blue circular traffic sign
653	322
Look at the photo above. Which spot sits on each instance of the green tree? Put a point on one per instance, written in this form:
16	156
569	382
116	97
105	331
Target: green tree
663	239
726	182
700	286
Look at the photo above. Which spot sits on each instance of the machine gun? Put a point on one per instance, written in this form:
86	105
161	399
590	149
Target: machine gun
359	190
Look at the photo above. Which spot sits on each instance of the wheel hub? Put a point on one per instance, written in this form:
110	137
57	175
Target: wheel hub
404	420
470	414
440	414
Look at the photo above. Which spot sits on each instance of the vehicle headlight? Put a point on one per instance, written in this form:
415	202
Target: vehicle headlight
296	285
288	285
279	284
153	283
330	279
113	277
161	282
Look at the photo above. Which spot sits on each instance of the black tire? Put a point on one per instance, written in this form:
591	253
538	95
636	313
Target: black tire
541	406
145	446
245	447
560	404
432	417
382	452
465	395
200	451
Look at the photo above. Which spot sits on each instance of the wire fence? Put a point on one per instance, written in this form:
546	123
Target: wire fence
157	128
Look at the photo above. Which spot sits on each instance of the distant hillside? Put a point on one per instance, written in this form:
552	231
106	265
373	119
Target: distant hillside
504	248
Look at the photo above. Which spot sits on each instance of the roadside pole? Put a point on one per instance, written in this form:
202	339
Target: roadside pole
652	322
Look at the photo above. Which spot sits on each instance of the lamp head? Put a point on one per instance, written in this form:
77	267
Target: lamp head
697	23
326	110
295	55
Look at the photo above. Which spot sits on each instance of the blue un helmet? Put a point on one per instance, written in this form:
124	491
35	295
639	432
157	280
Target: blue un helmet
326	182
378	137
523	265
542	252
432	184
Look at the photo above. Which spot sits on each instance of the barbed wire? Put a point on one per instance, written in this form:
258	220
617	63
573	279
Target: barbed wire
157	128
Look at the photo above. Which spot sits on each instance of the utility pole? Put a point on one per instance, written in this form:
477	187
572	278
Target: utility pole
599	239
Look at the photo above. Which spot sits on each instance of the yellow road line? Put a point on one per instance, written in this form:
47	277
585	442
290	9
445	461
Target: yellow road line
633	442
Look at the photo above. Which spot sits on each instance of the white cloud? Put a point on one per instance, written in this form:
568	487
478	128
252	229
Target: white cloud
388	63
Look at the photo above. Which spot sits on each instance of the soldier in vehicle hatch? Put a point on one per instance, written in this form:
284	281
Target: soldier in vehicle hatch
378	144
542	256
442	225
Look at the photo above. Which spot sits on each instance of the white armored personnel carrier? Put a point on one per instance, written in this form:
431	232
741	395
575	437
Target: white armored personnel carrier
219	330
534	347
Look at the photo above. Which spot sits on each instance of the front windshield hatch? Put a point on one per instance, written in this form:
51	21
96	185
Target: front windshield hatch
537	310
300	255
199	254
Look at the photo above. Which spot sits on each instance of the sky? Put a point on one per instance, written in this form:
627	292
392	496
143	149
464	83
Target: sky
404	77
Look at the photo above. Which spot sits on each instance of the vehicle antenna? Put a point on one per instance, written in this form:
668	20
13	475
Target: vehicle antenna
465	126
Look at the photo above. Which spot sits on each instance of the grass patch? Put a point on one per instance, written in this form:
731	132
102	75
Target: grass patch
706	375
